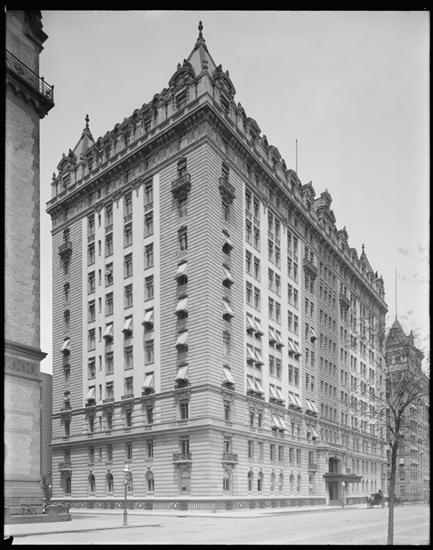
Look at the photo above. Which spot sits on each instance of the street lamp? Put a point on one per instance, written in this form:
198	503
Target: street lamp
125	510
343	487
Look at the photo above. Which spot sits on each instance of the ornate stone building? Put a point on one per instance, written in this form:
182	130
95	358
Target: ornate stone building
413	463
213	329
28	99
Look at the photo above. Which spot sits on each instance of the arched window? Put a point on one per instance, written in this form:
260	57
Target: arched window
91	484
226	481
272	486
185	481
150	482
260	482
298	484
281	483
110	483
250	481
292	482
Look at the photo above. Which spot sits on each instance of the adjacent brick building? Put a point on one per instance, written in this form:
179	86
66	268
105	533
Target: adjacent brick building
46	432
413	462
28	99
213	329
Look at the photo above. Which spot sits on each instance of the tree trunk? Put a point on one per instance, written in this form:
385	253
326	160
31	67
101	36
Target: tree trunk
394	449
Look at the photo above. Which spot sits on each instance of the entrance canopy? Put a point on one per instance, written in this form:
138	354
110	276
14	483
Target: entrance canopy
348	478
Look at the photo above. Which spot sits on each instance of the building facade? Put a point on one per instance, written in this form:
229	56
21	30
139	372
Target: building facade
46	432
28	99
212	327
413	460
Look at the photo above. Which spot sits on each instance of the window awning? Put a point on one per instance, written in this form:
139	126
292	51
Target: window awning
297	352
314	408
250	354
108	333
279	394
251	385
273	392
182	305
298	400
258	355
65	346
182	373
308	402
279	341
259	387
148	381
291	348
272	337
313	334
182	339
282	423
228	375
227	242
259	329
292	399
313	431
127	327
91	393
251	326
148	317
227	275
275	421
182	270
227	310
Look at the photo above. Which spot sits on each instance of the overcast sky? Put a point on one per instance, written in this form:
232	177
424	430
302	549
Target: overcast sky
352	87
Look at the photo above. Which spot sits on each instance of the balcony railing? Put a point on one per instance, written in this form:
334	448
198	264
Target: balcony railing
182	457
312	467
30	77
230	457
310	267
65	249
181	186
65	466
227	190
108	400
127	396
344	300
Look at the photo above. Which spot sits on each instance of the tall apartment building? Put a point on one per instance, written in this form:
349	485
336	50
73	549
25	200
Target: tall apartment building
46	421
212	327
28	99
413	461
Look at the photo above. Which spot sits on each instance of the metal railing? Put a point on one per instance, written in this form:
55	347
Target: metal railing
30	77
181	457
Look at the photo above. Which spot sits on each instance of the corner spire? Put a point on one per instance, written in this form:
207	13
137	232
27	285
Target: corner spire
200	28
87	119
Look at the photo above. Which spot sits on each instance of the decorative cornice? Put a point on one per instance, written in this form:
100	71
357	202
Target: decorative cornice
29	352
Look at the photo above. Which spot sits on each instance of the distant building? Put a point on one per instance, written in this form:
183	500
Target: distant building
46	421
212	327
413	461
28	99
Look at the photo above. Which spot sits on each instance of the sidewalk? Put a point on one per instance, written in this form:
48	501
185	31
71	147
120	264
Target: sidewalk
90	520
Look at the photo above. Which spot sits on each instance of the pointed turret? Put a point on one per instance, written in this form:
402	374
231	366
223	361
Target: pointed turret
200	58
396	335
86	140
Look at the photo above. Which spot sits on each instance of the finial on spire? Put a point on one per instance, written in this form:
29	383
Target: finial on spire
363	248
200	28
87	121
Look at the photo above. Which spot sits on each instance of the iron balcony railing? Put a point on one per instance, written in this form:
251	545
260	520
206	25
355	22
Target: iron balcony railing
65	466
30	77
182	457
230	457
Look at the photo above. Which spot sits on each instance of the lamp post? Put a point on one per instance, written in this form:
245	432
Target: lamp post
343	487
125	509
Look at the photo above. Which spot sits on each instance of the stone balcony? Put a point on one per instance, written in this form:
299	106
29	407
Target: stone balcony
181	186
65	250
230	457
182	457
227	190
310	267
65	467
312	467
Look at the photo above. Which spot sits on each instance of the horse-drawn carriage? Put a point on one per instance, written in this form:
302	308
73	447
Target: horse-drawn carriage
376	499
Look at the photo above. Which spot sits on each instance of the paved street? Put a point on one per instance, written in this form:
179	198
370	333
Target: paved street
349	526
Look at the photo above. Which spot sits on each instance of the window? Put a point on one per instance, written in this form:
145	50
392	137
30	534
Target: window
128	417
127	234
183	239
226	343
91	368
181	99
110	454
150	482
91	225
109	482
127	204
109	390
149	351
128	296
129	451
149	414
226	481
257	237
260	482
91	282
256	268
109	303
227	410
148	288
182	207
91	254
91	339
67	318
109	244
127	266
108	215
249	293
184	409
248	231
149	447
148	224
129	357
250	449
66	288
250	479
148	193
257	298
148	256
67	427
91	311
